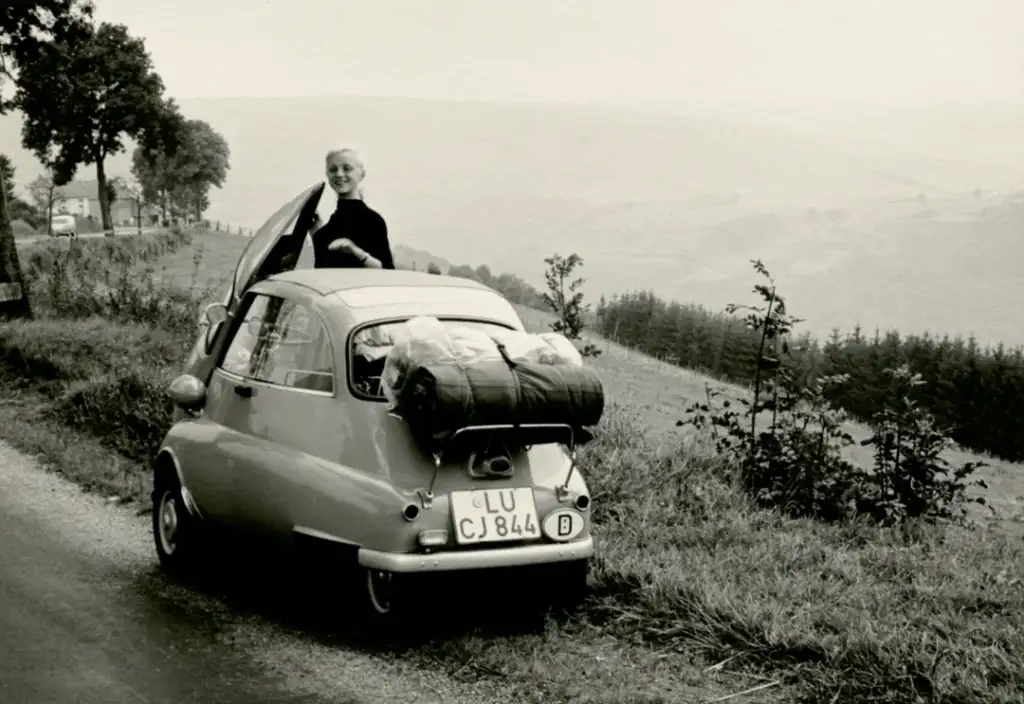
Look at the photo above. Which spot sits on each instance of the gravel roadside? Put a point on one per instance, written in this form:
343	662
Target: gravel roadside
101	554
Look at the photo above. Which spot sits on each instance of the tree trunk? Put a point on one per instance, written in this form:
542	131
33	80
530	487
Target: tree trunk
49	210
101	184
138	214
13	296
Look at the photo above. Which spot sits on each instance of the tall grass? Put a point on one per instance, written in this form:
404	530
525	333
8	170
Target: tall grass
112	278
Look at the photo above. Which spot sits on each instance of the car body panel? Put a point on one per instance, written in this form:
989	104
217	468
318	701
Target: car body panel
282	462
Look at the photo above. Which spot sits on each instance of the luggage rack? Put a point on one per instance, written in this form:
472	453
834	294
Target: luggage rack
526	434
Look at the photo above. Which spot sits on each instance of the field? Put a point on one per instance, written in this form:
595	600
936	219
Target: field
696	593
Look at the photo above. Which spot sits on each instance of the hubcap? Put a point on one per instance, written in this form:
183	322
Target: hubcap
168	522
379	586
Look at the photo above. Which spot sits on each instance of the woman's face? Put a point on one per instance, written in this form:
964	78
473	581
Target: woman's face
344	173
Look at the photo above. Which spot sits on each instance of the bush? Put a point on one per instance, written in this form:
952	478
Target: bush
67	351
796	464
99	253
107	379
113	278
128	411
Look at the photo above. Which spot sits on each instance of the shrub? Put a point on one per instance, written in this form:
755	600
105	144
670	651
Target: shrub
912	478
128	411
796	462
113	278
66	351
106	378
569	310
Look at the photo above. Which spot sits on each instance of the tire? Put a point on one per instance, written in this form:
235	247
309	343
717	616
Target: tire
385	601
174	529
568	584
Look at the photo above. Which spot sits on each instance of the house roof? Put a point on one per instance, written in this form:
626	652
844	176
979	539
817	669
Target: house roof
89	189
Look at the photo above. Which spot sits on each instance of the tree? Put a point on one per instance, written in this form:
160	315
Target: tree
18	209
569	309
82	96
7	174
25	27
45	196
433	268
181	182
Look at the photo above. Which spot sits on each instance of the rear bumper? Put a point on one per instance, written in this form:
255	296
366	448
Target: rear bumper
522	556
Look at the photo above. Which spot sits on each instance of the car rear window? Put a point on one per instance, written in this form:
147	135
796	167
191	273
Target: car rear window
369	346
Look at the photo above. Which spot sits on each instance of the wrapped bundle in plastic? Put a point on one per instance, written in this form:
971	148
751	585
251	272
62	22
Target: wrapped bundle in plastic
441	379
425	340
440	398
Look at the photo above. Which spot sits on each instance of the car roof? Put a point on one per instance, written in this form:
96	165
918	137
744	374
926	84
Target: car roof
328	281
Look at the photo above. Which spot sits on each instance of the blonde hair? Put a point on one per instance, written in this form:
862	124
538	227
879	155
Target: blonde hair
352	151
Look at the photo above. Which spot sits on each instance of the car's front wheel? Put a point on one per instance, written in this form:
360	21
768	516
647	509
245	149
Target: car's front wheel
174	529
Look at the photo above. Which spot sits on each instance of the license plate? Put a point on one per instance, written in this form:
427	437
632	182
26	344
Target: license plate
492	515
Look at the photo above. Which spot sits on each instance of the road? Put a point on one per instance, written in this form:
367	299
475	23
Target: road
86	616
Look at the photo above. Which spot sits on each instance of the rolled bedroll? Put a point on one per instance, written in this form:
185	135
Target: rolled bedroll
441	398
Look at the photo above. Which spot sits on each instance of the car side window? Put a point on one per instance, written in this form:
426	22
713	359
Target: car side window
282	342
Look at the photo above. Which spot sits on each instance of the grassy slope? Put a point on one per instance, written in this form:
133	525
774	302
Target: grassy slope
688	573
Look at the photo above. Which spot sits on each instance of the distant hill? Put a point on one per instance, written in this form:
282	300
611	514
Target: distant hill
858	223
418	259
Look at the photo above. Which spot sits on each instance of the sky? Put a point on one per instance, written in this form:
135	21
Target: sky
635	53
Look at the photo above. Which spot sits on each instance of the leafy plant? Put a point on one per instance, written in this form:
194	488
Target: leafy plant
565	300
788	440
912	478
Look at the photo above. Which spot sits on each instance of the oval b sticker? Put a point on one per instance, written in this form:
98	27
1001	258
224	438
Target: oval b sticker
563	524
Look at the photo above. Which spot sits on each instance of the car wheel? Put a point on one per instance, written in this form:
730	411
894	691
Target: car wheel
383	592
568	582
385	597
174	528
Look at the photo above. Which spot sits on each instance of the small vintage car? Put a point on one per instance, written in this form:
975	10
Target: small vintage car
282	433
64	225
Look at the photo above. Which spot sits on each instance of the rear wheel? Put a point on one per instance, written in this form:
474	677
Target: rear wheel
568	584
174	528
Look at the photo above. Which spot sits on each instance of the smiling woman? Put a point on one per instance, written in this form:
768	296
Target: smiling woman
356	235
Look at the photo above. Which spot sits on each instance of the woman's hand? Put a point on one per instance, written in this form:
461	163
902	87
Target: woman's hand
345	245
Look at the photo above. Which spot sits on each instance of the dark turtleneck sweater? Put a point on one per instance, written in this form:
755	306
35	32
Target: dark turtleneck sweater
361	224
